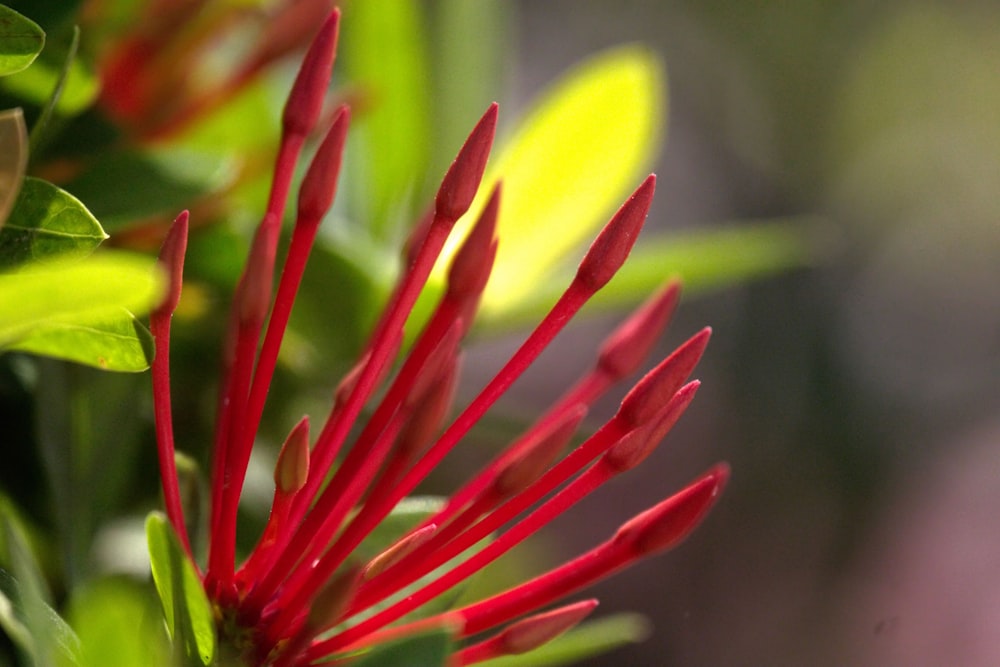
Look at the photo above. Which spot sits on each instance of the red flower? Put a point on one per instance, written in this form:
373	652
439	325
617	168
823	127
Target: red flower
286	603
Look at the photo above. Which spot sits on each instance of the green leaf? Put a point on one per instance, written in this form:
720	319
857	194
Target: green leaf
76	291
117	623
585	641
704	260
429	649
385	55
21	40
46	222
116	343
13	159
185	606
25	613
570	163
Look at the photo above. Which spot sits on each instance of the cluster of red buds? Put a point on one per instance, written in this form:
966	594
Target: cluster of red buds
300	597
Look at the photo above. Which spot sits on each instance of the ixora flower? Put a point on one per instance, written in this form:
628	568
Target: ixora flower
312	591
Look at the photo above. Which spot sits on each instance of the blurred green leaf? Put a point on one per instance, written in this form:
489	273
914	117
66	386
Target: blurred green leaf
185	606
704	260
123	187
585	641
47	221
470	47
87	425
118	625
429	649
569	164
25	613
21	40
116	343
13	159
384	53
76	291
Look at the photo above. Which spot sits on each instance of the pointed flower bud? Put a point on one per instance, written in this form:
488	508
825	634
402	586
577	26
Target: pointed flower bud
471	267
306	99
528	634
461	182
660	384
665	525
611	247
320	182
292	469
635	446
172	258
629	344
537	456
397	551
539	629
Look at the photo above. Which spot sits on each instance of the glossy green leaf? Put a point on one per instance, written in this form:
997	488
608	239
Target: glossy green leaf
185	606
569	165
25	613
429	649
117	343
585	641
384	54
78	85
116	621
77	291
21	40
704	260
13	159
47	222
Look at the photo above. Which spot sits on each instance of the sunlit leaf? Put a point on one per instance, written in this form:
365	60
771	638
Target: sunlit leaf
21	40
47	222
384	53
185	605
570	163
429	649
117	343
13	159
585	641
81	291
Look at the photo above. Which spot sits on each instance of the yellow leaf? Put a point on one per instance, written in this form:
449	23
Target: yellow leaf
569	165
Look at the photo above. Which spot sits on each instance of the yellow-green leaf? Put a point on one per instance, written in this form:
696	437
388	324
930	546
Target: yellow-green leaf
570	164
75	292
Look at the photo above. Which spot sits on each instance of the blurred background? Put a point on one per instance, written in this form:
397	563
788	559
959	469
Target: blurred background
857	401
854	390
